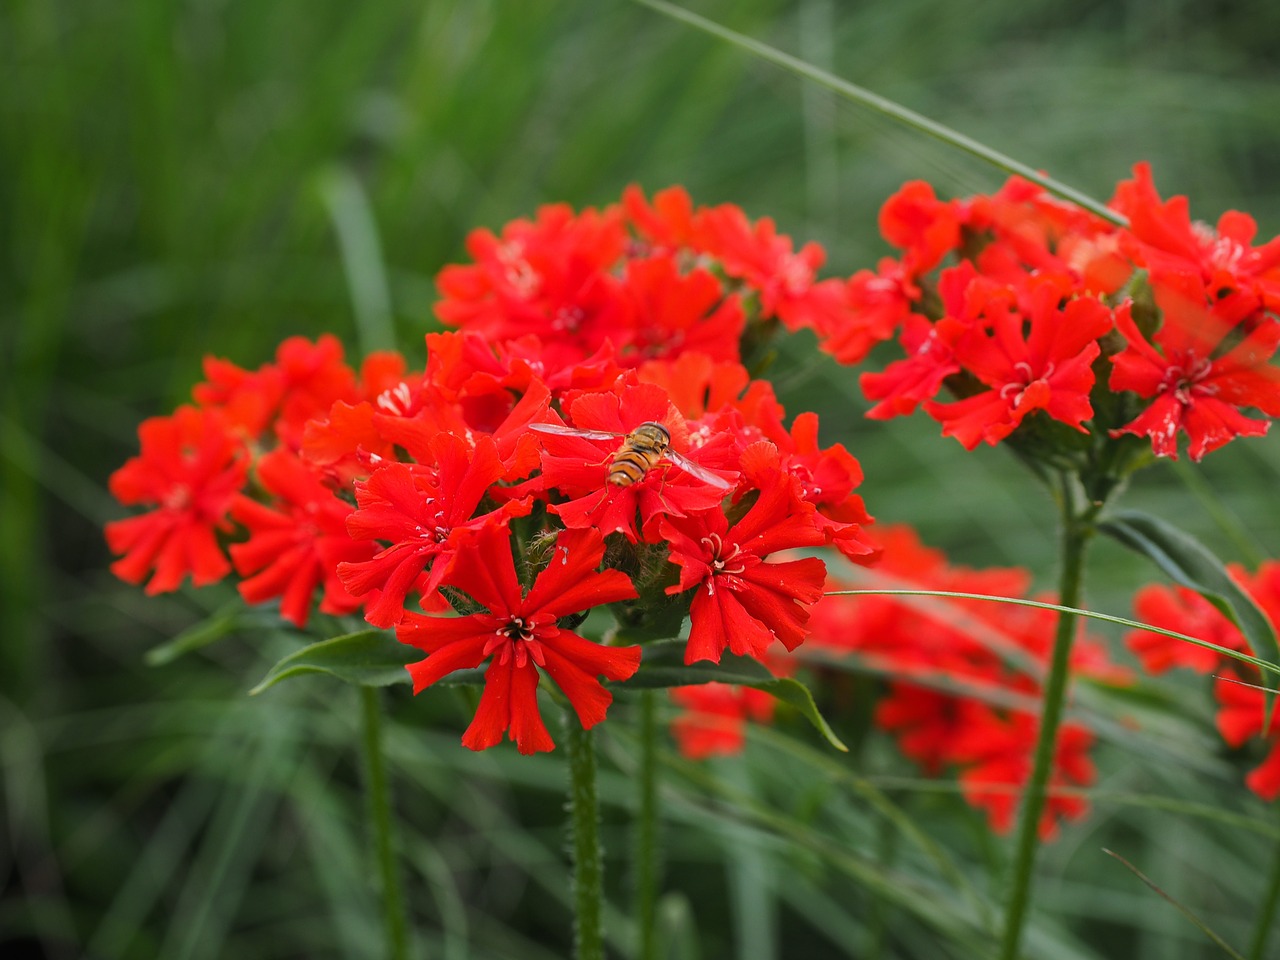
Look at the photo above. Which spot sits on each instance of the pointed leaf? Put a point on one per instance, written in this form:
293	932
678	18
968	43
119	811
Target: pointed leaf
792	691
369	658
663	667
1189	563
462	678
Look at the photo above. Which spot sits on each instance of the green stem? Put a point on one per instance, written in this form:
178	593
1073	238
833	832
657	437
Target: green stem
646	854
584	824
1077	529
380	813
1267	912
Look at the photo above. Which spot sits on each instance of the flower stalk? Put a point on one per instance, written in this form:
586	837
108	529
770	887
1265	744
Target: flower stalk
1077	530
378	790
646	836
584	843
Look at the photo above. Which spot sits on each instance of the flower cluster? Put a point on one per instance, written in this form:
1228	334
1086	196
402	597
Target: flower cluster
1237	685
1038	319
588	437
964	679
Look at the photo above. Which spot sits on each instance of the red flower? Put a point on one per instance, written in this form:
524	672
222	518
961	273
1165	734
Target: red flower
826	477
190	467
743	603
1047	368
678	312
916	221
1241	706
667	223
1197	381
955	664
304	382
520	633
1183	610
929	348
1167	241
419	512
579	467
547	277
696	384
714	719
1239	719
296	545
757	254
876	304
999	754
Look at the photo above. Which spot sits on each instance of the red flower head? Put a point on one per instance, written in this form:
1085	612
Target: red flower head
1183	610
419	511
916	221
876	304
191	466
999	754
930	350
1239	719
304	382
677	312
666	225
743	603
580	462
1164	238
519	634
1048	368
763	258
295	545
714	719
1199	378
547	277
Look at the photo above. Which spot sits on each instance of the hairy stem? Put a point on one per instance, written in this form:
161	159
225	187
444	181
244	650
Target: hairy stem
1077	530
584	828
382	819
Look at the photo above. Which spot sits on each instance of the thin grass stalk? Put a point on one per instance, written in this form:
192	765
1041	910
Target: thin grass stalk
381	816
889	108
584	845
646	850
1077	530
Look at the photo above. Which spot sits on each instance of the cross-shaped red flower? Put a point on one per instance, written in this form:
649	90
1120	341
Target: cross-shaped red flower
520	633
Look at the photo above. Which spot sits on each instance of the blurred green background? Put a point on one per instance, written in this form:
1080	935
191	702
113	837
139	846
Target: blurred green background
211	176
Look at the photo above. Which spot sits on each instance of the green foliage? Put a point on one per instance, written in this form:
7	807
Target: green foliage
369	658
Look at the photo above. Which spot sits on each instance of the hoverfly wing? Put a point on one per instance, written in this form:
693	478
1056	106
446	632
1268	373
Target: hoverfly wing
563	430
699	471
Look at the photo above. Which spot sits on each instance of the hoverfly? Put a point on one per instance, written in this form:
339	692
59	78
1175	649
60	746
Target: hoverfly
642	449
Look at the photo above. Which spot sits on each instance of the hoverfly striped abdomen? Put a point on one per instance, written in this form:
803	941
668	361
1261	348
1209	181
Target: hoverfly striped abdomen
641	450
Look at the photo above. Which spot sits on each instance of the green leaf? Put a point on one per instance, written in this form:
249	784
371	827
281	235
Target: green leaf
663	667
792	691
369	658
205	632
1189	563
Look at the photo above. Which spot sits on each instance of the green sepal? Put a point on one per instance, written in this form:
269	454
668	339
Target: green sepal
1189	563
662	667
368	658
